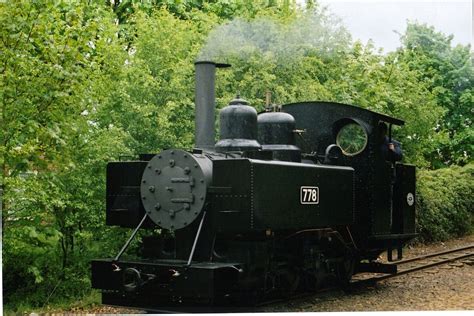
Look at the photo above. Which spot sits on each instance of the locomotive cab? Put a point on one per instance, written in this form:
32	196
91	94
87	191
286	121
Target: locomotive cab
384	190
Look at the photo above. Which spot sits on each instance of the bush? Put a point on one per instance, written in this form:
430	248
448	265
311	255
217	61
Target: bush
445	200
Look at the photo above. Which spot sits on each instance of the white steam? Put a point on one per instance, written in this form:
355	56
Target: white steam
311	33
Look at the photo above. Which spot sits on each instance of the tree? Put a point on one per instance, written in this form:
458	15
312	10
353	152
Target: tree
54	59
153	99
449	73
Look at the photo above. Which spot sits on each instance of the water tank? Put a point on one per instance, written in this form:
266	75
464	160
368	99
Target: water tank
238	127
276	134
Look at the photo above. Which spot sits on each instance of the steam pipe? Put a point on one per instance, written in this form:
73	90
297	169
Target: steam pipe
205	103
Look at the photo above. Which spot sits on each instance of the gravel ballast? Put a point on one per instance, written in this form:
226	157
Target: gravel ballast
445	287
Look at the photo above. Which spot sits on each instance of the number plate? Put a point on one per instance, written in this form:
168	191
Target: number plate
309	195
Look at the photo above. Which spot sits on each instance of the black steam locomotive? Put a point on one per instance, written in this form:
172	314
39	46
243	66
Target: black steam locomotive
284	202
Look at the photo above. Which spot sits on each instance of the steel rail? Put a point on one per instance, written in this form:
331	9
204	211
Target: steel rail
420	266
436	254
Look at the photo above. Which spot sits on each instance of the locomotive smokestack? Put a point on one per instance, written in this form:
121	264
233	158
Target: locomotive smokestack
205	103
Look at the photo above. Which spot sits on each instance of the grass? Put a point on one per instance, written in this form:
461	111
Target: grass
73	305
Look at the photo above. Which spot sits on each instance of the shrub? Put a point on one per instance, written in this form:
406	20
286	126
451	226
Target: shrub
445	200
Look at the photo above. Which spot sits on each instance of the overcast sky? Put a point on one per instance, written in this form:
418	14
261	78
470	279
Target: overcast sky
378	19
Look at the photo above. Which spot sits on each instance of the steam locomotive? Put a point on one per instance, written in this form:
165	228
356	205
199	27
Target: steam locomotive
285	202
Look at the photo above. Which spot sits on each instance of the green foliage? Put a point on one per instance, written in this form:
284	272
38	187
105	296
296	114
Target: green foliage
153	99
449	74
185	9
53	151
445	202
83	84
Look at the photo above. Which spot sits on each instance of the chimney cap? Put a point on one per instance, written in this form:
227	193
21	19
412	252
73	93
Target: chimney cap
218	65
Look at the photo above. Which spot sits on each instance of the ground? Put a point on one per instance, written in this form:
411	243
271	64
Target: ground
446	287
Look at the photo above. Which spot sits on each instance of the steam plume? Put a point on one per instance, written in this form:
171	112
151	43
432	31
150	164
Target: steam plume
311	33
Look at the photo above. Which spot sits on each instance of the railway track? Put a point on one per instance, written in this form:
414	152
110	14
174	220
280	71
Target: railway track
405	266
417	263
